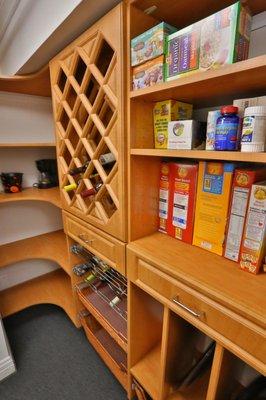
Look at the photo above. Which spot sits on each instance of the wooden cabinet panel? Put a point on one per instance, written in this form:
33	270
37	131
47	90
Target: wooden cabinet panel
201	310
102	245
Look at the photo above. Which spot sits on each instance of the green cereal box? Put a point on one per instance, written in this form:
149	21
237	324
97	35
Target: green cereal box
150	44
222	38
164	112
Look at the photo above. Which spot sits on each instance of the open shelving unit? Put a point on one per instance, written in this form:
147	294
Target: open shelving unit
17	145
164	272
51	195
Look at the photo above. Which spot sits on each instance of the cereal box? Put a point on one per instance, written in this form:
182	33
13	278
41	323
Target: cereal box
212	204
163	112
242	104
254	240
242	183
184	134
164	193
182	200
150	44
222	38
148	74
211	128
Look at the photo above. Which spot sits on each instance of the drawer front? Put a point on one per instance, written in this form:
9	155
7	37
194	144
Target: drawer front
109	249
187	302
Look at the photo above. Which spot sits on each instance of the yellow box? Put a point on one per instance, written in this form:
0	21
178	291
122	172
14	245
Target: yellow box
212	205
164	112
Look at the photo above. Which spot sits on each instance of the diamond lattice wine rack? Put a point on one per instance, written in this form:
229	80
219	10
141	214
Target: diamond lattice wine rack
87	89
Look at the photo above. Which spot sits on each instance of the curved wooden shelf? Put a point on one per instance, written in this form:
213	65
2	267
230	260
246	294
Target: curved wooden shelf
36	84
49	246
51	195
246	78
53	288
8	145
203	155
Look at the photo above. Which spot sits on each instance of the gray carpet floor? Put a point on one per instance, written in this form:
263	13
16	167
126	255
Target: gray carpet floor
54	360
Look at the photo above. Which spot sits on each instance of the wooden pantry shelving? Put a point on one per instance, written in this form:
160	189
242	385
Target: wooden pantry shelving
51	195
49	246
176	288
17	145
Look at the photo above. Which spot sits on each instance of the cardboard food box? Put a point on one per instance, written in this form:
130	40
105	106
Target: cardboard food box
164	112
182	200
222	38
164	193
211	128
254	240
212	204
184	135
150	44
241	189
242	104
148	74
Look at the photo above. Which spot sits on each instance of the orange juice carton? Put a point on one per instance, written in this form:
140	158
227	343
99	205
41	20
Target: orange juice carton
184	135
148	74
164	194
242	184
182	200
253	247
164	112
212	204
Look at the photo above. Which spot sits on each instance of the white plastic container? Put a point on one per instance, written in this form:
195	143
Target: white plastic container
253	136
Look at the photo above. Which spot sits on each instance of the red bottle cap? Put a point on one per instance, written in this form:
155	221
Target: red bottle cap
88	192
229	110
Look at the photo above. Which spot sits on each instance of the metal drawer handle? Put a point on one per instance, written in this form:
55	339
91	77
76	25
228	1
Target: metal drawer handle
192	312
82	236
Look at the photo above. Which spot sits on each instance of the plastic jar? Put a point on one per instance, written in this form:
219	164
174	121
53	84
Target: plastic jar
226	129
253	136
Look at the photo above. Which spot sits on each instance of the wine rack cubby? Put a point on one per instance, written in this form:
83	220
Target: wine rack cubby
87	90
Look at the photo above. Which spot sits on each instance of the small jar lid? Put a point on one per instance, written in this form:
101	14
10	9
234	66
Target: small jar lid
229	110
258	110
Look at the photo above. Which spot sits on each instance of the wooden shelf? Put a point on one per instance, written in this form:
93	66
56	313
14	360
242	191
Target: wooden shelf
208	273
147	371
245	78
49	246
51	195
202	154
36	84
11	145
53	288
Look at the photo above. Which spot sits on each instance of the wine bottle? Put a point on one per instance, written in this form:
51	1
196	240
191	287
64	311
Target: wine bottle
81	269
79	250
70	187
107	158
91	192
79	170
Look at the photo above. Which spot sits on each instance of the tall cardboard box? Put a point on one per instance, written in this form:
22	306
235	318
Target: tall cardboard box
242	184
254	240
164	194
183	177
212	204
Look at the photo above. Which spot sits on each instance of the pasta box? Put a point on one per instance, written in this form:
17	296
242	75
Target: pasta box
150	44
148	74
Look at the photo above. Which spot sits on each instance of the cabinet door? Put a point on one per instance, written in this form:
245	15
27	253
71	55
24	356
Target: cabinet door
88	104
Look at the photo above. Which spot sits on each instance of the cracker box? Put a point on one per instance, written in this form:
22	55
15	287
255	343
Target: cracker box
222	38
164	193
252	254
183	135
148	74
150	44
164	112
211	128
212	204
182	200
242	184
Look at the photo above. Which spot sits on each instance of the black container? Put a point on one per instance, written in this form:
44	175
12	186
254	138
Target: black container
48	173
12	181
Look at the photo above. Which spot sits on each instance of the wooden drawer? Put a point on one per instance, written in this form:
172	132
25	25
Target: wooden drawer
201	311
102	245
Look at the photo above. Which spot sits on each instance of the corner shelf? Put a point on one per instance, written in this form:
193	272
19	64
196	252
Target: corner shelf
244	78
49	246
25	145
202	155
54	288
51	195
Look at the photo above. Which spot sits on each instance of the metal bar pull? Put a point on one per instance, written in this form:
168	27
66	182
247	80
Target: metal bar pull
197	314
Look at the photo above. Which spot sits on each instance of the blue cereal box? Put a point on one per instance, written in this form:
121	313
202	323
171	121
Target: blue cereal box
150	44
